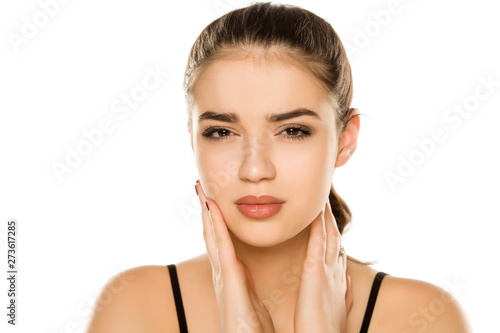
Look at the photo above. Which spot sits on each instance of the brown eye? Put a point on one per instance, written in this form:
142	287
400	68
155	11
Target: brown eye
294	132
221	131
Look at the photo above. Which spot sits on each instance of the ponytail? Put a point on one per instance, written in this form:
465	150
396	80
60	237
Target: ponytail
302	35
340	210
343	217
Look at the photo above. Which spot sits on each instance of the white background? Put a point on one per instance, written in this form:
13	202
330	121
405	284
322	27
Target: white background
131	201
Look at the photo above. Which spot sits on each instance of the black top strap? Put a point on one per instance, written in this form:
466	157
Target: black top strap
182	318
178	298
371	301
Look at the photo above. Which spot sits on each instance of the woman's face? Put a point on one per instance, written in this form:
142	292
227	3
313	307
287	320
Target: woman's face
256	156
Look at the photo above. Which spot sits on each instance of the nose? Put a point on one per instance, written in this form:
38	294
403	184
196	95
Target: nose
256	162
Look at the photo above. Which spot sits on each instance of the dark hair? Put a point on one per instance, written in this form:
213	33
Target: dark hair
289	32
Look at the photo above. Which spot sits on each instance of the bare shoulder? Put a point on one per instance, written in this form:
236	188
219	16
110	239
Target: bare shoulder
139	299
408	305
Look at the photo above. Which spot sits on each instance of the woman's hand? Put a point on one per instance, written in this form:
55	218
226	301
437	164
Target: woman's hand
240	310
324	297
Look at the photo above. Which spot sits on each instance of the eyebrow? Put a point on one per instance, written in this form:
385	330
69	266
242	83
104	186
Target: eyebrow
273	117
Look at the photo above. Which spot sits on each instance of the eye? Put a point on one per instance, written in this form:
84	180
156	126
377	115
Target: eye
216	129
296	129
223	133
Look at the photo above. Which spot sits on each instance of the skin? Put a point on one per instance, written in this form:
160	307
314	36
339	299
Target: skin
257	159
323	283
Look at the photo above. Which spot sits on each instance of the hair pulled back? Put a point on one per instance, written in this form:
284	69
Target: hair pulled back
292	33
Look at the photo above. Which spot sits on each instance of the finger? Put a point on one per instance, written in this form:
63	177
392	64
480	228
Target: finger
333	236
333	217
343	262
317	240
227	255
224	243
208	232
257	303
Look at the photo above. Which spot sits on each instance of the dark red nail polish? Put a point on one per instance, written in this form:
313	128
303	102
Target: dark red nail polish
196	190
206	203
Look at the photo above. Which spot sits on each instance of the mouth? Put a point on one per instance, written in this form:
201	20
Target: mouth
259	211
260	200
260	207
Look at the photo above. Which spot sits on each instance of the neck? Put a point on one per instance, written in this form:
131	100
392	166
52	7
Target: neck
275	270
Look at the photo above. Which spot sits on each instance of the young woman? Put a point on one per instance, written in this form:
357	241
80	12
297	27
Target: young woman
268	91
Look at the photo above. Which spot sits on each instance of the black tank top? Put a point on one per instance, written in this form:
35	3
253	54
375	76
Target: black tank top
181	317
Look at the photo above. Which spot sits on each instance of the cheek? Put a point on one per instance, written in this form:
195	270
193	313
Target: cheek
216	169
307	178
306	169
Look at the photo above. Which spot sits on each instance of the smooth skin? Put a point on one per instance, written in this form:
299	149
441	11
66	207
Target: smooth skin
267	260
323	284
257	156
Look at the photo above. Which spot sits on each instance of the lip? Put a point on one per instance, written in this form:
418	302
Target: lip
260	200
260	207
259	211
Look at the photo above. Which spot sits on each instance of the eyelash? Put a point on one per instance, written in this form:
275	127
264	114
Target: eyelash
212	129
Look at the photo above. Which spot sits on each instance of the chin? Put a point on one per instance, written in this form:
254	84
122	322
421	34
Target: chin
261	233
259	242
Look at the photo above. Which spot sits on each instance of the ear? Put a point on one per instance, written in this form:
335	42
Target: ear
349	138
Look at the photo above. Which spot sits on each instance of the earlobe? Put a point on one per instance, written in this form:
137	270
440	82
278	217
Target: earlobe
343	156
349	138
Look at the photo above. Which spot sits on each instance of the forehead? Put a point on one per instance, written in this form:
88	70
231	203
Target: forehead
255	86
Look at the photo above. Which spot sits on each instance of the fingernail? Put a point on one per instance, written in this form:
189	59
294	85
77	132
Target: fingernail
196	189
197	181
206	203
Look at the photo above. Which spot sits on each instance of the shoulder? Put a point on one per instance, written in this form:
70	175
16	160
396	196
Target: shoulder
416	306
137	299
